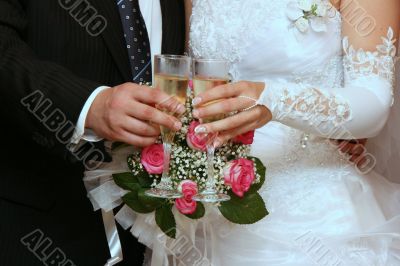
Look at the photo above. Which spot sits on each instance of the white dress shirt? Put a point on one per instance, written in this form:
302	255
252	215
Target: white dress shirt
151	12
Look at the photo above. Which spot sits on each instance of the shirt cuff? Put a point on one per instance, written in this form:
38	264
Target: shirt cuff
80	132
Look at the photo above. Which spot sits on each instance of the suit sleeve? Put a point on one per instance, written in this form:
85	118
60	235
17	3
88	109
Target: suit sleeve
38	97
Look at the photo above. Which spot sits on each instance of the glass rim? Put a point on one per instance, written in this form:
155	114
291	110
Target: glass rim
205	60
172	56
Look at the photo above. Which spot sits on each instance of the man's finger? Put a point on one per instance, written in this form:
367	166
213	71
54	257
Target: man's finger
352	149
345	147
363	141
171	106
138	127
147	113
154	97
135	140
360	161
358	149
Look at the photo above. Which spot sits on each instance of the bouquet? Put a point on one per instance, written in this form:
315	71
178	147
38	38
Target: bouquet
239	175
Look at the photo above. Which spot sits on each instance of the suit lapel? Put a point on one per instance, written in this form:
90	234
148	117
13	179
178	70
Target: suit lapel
113	35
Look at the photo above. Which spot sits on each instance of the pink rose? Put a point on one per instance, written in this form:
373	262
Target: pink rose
246	138
191	84
152	158
186	205
239	175
194	141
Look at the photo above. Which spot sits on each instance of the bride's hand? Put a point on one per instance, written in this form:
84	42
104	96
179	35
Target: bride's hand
237	97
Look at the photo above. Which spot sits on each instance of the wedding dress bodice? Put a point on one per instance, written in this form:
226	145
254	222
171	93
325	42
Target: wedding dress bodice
260	41
316	83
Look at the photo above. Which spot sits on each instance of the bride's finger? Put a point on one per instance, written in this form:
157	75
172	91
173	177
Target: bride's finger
229	123
220	92
223	107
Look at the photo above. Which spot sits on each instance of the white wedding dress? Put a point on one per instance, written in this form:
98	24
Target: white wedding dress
323	211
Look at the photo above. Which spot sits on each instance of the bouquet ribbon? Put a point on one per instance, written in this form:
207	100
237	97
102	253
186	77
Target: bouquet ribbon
114	243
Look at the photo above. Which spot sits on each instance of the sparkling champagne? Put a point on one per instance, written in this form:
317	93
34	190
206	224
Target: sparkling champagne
175	87
200	85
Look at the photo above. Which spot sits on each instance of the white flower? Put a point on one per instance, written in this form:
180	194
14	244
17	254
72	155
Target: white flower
318	24
305	5
322	10
308	13
294	12
302	24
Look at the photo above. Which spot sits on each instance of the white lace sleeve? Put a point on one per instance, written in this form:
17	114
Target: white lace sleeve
357	110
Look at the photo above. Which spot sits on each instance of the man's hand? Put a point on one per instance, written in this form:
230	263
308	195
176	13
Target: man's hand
125	113
354	149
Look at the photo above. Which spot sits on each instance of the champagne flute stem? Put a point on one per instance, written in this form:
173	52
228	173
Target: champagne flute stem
165	179
210	183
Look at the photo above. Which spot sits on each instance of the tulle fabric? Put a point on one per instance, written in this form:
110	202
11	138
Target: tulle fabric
386	146
321	214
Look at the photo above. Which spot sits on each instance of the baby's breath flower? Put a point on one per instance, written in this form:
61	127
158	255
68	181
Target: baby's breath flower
186	163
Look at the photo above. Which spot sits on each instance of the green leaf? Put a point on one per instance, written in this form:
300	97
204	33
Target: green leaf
230	157
144	179
200	211
166	221
126	181
247	210
132	200
261	170
149	202
181	142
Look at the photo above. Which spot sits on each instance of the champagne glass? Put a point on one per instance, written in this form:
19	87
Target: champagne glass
171	75
210	73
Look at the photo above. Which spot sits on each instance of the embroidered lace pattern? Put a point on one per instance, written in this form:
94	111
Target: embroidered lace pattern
359	63
305	101
309	104
230	30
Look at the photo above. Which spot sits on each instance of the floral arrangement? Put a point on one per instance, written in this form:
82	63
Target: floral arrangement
309	13
241	176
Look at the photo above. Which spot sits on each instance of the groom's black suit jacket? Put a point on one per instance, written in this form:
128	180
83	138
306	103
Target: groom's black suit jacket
60	52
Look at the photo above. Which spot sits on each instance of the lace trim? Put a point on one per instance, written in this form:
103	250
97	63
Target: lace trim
380	62
311	105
